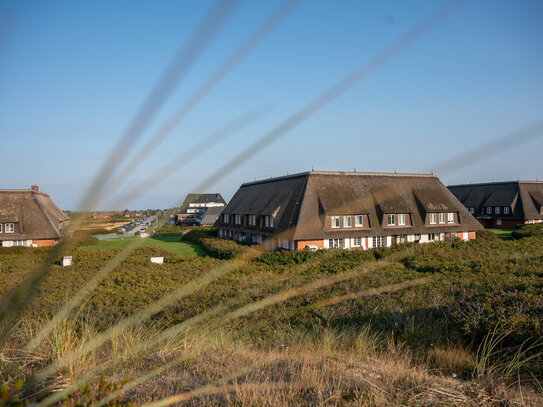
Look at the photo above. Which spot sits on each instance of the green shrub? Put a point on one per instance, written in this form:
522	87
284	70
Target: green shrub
486	235
218	248
287	258
522	231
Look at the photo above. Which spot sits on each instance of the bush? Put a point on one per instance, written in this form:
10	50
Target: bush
287	258
522	231
486	235
218	248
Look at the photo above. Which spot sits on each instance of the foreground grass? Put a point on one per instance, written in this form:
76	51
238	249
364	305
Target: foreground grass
434	324
170	242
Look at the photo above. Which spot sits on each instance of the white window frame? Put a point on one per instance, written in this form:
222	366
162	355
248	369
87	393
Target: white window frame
337	243
401	219
489	210
506	210
472	210
392	218
10	228
335	222
0	228
442	218
225	218
498	222
378	241
347	221
357	241
237	219
497	210
359	221
251	220
433	218
450	217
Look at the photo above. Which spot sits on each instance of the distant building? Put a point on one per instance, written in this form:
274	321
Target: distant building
30	218
200	209
502	204
348	210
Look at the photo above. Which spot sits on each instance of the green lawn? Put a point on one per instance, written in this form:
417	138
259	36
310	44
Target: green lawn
167	241
504	234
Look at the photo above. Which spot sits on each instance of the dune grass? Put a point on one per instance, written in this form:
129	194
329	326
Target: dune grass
170	242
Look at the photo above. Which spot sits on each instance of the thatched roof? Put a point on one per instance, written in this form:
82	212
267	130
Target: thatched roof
38	217
301	202
211	214
525	198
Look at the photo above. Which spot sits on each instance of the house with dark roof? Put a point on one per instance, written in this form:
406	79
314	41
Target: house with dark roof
345	209
502	204
30	218
200	209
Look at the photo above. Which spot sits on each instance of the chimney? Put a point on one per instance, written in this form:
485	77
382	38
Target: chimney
34	188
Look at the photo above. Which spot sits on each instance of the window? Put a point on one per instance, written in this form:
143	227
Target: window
359	220
497	210
489	210
417	237
498	222
225	218
335	222
10	228
401	219
401	239
357	241
347	221
391	220
335	243
506	210
268	221
251	220
433	218
441	218
237	219
378	241
0	228
472	210
450	217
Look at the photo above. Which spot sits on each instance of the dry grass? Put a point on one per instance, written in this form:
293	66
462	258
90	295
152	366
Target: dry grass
348	367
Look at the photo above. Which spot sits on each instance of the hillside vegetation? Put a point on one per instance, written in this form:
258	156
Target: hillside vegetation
435	324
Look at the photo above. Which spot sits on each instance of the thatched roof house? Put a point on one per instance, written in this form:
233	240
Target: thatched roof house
29	217
502	204
345	209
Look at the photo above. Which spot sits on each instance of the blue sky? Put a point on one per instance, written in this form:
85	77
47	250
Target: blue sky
73	75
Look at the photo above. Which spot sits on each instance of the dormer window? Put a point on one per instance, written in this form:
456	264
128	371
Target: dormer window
335	222
506	210
10	228
237	219
0	228
472	210
251	220
497	210
433	218
450	217
225	218
359	221
401	219
489	210
347	222
441	218
391	220
268	221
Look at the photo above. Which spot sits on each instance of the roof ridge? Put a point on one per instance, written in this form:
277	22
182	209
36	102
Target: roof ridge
343	173
496	183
